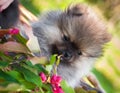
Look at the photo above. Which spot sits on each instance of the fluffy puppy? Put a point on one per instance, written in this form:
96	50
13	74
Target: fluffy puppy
77	34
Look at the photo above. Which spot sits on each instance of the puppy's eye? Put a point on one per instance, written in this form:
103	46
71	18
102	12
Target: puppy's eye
65	38
77	14
79	53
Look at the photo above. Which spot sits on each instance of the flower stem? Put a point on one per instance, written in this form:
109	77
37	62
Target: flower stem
56	64
41	91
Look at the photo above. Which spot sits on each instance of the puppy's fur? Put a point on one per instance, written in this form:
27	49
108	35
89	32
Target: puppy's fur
77	34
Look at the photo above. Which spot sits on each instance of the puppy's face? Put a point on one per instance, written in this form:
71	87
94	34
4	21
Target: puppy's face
68	50
79	34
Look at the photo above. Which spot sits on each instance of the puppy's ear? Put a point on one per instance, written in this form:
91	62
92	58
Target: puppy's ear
88	22
77	9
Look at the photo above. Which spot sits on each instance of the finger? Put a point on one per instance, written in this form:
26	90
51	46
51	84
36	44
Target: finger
6	4
3	2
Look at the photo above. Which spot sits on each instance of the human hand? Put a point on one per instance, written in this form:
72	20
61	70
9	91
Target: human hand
4	4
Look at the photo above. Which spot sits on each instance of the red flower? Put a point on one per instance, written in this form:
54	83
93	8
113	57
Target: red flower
55	80
13	31
43	77
57	89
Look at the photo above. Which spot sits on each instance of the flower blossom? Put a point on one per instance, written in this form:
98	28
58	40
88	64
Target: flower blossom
13	31
55	79
43	77
55	82
57	89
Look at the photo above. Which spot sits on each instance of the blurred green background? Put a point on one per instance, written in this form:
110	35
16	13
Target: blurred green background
107	69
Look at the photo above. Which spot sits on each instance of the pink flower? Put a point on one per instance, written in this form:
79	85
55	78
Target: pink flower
13	31
57	89
55	80
6	53
43	77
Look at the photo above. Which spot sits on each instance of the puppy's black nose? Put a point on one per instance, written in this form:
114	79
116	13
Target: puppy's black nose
66	55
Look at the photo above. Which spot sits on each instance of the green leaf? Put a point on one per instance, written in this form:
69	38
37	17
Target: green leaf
66	88
81	90
29	75
3	64
11	88
47	87
20	39
37	67
12	46
40	68
33	44
32	69
5	58
52	59
39	60
6	79
49	92
105	83
18	76
49	68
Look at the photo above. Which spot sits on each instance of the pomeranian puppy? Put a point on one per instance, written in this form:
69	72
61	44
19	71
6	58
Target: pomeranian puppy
77	34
